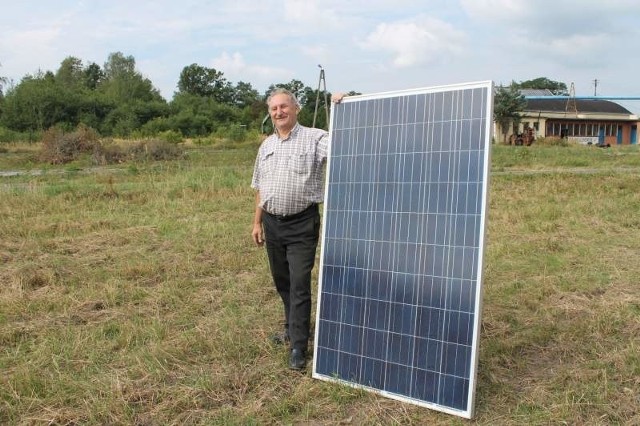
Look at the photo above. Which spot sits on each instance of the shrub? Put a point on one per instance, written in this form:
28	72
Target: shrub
154	149
206	141
7	135
59	147
552	141
155	126
171	136
233	132
108	152
146	150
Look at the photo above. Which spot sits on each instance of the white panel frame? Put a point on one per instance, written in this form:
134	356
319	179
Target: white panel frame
488	131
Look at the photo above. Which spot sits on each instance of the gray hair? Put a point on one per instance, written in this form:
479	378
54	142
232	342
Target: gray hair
283	91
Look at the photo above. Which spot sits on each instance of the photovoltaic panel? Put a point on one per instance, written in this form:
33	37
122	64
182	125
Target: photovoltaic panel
401	259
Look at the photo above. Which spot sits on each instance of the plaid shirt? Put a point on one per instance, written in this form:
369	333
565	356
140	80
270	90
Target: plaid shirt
289	172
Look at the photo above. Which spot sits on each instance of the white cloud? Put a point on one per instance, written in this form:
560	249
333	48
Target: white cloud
39	44
317	52
310	15
499	10
236	69
548	19
578	50
416	41
233	63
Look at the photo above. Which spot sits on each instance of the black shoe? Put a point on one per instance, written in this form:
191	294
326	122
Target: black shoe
297	359
280	338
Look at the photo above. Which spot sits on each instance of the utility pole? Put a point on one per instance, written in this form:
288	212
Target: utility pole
321	80
571	101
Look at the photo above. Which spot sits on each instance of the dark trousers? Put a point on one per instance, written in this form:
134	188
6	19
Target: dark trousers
291	246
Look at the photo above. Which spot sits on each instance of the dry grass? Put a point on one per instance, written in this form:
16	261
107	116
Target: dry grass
136	297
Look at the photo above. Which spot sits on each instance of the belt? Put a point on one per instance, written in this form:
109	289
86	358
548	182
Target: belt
287	217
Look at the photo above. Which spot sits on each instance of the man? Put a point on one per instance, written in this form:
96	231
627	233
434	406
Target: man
288	177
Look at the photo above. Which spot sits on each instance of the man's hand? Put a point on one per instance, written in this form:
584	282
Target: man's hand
257	234
336	98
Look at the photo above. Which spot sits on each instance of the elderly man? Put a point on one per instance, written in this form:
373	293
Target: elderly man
288	177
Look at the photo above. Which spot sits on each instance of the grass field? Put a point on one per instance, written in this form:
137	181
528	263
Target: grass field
134	295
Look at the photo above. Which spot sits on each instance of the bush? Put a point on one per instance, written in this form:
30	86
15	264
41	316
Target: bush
108	152
171	136
155	126
552	141
206	141
59	147
154	149
233	132
7	135
148	150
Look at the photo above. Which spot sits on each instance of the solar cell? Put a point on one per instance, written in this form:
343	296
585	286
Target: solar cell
400	277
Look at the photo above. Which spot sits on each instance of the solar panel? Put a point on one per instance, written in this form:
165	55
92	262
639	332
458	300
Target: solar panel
399	298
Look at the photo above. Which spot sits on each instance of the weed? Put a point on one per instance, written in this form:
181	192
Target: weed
60	147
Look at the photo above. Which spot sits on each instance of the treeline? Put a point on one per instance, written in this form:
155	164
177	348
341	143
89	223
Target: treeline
117	100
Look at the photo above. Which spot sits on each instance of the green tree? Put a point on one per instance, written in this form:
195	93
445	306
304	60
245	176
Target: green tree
556	87
244	95
296	87
201	81
93	76
3	81
251	104
308	110
133	96
507	106
37	103
70	73
78	83
123	84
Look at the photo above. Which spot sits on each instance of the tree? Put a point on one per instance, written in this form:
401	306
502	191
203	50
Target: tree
294	86
3	81
70	73
38	103
119	66
123	84
556	87
125	88
244	95
93	76
194	115
201	81
308	110
508	103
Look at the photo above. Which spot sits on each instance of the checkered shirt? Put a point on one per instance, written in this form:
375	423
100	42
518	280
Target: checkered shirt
289	172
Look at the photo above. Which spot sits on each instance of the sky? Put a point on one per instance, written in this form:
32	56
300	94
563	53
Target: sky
368	46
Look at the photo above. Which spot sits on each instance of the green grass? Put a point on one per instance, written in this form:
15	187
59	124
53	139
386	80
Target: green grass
557	157
133	295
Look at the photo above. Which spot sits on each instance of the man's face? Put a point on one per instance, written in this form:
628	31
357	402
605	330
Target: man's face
284	113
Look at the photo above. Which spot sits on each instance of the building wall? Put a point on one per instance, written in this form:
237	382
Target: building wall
540	124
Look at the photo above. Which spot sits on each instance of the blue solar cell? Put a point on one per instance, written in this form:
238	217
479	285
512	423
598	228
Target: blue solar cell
400	269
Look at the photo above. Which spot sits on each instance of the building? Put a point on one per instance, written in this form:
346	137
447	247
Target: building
584	120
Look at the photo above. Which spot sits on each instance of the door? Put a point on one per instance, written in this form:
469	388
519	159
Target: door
619	137
601	136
